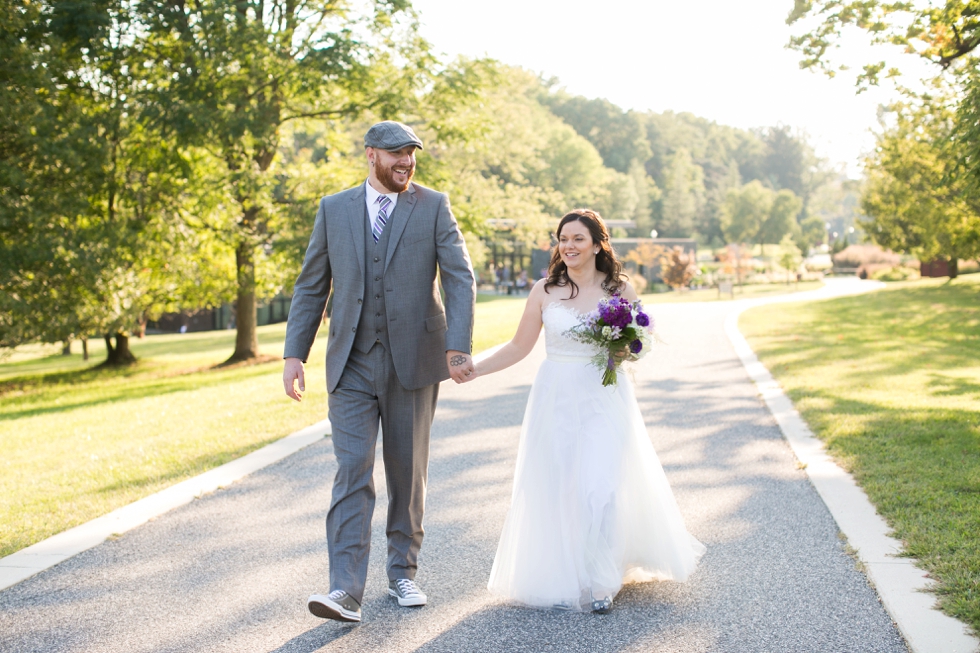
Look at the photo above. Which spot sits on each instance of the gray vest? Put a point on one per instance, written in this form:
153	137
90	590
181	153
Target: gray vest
373	326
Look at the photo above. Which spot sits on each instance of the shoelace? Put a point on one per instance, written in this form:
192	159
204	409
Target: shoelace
407	587
336	594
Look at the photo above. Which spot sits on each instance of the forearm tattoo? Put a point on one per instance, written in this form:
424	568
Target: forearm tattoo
457	360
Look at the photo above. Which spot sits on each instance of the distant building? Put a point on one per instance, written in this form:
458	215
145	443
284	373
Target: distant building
222	317
936	268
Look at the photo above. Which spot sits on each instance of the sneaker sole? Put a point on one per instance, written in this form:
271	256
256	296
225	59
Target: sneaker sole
327	609
407	603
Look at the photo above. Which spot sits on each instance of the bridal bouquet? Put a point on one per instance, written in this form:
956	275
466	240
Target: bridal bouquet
620	330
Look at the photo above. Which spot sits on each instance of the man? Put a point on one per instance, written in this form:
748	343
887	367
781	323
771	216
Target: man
391	343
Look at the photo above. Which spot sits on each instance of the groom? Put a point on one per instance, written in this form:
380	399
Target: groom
391	342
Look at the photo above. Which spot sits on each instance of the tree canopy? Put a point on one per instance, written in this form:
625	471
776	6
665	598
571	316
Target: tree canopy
923	180
165	156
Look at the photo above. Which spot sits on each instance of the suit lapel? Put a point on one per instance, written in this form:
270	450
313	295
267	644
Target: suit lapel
399	220
356	210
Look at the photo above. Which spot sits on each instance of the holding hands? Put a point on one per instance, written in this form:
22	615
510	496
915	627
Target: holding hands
461	367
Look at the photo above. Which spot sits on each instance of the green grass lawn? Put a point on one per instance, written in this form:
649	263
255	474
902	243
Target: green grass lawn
743	292
891	382
79	442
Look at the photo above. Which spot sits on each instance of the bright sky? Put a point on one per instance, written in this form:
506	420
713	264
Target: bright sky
724	60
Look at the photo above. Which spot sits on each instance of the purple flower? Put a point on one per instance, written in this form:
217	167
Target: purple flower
636	346
643	319
616	312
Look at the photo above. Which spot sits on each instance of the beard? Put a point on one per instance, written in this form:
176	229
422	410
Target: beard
387	177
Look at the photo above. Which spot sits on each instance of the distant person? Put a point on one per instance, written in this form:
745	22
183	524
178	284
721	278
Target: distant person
591	508
391	342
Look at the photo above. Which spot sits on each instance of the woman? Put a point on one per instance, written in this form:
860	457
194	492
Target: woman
591	507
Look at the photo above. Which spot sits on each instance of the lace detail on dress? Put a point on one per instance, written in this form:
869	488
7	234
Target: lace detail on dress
558	319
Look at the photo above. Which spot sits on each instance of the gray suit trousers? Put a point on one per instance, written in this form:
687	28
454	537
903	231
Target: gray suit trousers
367	393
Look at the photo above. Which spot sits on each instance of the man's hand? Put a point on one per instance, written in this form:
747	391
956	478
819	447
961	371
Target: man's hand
291	373
460	366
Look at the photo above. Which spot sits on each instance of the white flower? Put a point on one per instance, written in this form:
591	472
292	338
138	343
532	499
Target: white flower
606	332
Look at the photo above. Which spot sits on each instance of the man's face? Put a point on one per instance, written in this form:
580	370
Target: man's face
393	169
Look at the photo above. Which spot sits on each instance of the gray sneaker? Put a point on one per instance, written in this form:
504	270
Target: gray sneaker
407	593
338	605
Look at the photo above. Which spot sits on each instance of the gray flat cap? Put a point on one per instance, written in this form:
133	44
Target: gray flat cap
391	135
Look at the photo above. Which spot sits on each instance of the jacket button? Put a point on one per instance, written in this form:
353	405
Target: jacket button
377	278
359	301
353	329
376	259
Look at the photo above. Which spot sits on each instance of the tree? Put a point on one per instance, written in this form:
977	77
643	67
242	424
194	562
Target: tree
228	75
501	154
678	268
618	135
87	219
736	259
786	159
745	211
781	221
646	254
789	256
683	195
914	200
945	34
942	34
812	232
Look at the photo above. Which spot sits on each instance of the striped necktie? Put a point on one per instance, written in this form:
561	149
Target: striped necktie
382	220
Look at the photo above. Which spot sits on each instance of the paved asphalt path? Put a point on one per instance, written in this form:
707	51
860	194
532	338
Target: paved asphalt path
232	571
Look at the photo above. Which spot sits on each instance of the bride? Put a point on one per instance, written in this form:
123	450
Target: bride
591	507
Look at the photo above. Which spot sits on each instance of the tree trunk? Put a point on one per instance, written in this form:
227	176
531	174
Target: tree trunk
246	338
66	350
119	355
141	327
84	349
954	267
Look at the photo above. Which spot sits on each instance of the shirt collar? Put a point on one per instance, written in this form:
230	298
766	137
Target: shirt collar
373	195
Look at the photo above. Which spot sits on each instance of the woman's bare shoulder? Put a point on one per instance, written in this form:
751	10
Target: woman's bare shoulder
628	292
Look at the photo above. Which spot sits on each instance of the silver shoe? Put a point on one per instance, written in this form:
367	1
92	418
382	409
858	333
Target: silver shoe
602	606
407	592
338	605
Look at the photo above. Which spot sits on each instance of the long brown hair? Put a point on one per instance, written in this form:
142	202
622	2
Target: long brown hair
605	260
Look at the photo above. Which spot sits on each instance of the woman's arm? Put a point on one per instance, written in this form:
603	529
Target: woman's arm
523	341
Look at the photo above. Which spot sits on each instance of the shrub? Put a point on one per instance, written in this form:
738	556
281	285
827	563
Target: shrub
639	283
678	268
856	256
898	273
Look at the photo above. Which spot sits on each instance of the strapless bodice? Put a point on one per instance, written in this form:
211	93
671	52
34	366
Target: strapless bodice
558	319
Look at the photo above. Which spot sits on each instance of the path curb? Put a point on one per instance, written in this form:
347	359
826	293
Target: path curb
902	587
58	548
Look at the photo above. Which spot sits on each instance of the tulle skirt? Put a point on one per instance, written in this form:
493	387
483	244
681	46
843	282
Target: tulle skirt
591	507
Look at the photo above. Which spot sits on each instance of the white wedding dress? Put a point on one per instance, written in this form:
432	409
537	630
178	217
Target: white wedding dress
591	507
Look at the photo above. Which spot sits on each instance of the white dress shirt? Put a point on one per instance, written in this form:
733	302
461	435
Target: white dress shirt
371	198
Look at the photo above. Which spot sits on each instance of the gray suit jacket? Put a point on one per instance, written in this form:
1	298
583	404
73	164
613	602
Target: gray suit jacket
424	234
